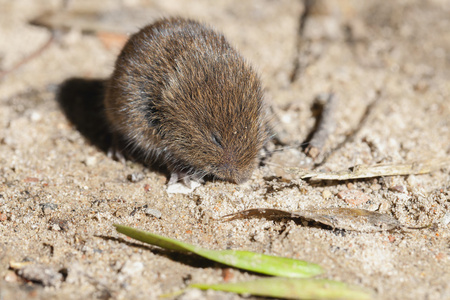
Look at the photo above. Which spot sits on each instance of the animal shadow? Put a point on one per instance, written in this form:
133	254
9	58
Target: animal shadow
81	100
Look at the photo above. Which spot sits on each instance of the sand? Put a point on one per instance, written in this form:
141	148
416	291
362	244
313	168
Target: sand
387	62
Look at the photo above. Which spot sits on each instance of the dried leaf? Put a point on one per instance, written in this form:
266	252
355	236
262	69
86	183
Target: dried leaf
379	170
343	218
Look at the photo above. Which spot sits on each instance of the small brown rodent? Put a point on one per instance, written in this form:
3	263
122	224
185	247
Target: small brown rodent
180	94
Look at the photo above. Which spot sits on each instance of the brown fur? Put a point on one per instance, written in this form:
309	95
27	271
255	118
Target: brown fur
180	93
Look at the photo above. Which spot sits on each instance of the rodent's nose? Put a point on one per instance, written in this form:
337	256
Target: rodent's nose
233	174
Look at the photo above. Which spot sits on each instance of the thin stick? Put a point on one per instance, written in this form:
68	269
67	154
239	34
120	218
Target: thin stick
327	125
358	172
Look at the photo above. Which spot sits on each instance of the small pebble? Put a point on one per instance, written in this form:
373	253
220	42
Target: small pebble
353	197
398	189
384	207
153	212
55	227
227	274
121	212
47	208
375	187
421	86
35	116
11	276
132	268
135	177
31	179
326	194
58	224
41	274
446	219
414	181
90	161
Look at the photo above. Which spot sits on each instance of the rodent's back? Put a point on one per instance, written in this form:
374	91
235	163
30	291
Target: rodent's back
181	93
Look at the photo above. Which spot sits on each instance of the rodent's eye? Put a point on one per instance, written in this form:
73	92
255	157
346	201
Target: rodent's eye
216	139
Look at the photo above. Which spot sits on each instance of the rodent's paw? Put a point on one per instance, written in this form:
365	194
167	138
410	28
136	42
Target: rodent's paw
187	185
116	154
115	150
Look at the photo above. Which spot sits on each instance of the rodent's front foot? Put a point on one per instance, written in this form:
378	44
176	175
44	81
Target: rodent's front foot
186	178
182	183
115	151
116	154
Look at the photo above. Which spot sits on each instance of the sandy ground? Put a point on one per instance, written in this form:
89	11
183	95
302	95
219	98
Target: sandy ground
60	193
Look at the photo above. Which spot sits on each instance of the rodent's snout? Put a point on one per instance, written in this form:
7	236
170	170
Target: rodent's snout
229	172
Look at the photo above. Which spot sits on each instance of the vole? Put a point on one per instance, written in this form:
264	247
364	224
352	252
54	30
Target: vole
181	95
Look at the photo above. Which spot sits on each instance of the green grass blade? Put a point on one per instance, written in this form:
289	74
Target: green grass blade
289	288
153	239
255	262
264	264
